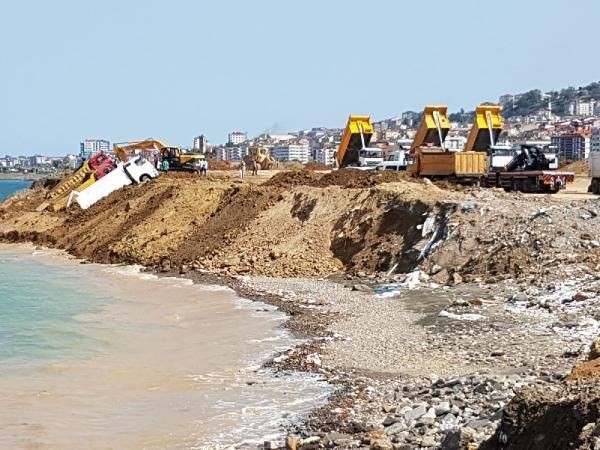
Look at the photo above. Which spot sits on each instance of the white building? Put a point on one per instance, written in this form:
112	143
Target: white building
89	147
236	137
231	153
292	151
595	140
455	143
200	143
325	155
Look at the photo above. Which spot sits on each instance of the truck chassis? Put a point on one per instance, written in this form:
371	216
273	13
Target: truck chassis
531	180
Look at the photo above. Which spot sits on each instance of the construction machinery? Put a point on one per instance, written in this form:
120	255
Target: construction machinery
431	159
137	170
530	170
353	150
178	160
262	156
90	171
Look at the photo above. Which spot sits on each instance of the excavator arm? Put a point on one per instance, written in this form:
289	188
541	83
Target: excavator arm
124	150
357	135
487	126
433	129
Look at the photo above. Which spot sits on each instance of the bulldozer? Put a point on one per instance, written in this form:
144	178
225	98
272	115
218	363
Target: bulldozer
178	160
262	156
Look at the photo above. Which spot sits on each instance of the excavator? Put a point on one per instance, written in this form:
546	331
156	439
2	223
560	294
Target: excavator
430	157
178	160
262	156
91	171
353	150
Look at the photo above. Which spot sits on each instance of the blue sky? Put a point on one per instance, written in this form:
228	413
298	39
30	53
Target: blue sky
126	70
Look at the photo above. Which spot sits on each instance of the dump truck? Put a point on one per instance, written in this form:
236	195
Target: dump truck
530	170
353	150
136	170
594	172
262	156
89	173
178	160
431	159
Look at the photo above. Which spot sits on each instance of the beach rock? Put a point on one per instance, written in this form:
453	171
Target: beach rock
415	413
361	288
292	442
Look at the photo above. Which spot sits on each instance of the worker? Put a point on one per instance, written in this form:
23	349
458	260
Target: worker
203	167
254	167
156	161
242	168
165	165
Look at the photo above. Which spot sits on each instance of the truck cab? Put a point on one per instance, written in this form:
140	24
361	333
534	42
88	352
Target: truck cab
397	160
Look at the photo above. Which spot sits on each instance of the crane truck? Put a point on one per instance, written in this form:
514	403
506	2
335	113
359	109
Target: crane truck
530	170
353	150
431	159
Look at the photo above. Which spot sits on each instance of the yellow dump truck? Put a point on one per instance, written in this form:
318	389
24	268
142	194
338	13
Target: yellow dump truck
431	159
353	150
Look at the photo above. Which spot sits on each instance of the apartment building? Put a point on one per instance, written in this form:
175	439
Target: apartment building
595	140
292	151
89	147
237	137
572	146
325	155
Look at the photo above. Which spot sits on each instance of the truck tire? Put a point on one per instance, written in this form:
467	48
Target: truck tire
145	177
595	186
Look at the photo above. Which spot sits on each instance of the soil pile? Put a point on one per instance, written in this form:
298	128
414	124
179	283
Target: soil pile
304	223
578	167
554	417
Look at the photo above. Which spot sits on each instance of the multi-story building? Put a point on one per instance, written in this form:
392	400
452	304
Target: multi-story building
200	143
236	137
230	153
455	143
89	147
595	140
325	155
572	146
292	151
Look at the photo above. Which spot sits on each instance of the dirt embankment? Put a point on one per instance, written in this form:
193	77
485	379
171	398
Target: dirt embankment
296	223
303	223
555	417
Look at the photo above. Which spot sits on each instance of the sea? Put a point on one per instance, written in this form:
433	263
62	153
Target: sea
107	356
8	187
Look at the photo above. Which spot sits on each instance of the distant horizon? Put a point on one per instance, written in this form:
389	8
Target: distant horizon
261	66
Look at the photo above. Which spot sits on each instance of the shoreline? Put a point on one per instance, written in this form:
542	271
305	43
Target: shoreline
259	362
22	176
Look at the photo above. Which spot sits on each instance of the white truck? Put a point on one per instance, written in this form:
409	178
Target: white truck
594	172
397	160
136	170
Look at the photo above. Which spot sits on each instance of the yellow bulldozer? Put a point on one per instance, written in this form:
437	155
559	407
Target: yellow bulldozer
263	157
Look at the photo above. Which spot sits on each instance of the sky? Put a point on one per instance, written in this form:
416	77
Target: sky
125	70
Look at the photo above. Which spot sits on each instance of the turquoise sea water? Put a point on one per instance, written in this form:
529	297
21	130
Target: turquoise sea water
39	305
8	187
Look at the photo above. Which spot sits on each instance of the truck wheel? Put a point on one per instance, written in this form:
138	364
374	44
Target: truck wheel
595	186
145	177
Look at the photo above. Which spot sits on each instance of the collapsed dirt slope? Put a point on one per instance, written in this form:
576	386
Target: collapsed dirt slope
554	417
302	223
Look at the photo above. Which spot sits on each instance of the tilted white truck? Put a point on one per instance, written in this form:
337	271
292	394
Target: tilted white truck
136	170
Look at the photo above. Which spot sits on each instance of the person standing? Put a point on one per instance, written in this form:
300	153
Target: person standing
203	167
156	161
254	168
242	168
165	165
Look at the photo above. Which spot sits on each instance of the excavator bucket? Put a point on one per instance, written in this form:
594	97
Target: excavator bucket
487	126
